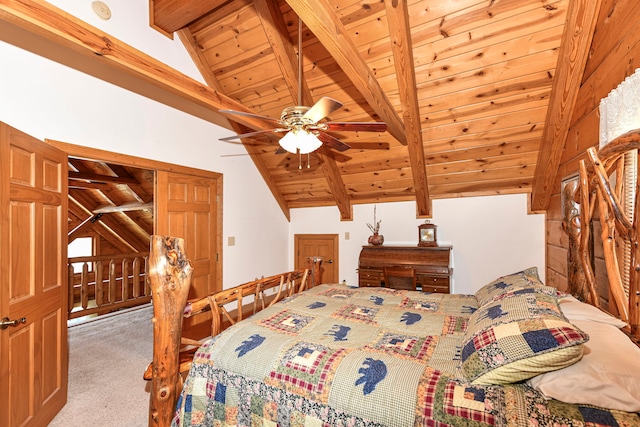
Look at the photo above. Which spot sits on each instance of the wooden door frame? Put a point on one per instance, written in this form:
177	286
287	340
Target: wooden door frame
336	244
73	150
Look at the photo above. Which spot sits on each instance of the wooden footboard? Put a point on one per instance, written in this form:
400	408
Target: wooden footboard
170	277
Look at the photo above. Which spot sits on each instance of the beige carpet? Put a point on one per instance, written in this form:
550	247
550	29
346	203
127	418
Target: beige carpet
107	358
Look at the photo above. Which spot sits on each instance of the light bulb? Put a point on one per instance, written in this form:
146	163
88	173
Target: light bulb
289	142
300	141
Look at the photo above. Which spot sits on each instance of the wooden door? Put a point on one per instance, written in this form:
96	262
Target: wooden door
187	207
323	245
33	253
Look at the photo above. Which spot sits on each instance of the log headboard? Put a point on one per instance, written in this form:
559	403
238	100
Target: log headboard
604	185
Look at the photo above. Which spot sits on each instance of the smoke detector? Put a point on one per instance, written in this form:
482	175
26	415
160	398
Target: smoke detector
101	9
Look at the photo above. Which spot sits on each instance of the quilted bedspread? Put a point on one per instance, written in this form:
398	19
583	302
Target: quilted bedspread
341	356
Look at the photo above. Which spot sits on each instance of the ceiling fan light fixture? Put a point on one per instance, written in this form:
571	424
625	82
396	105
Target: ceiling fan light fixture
300	141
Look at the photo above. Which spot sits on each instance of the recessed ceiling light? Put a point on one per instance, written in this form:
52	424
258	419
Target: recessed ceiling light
101	9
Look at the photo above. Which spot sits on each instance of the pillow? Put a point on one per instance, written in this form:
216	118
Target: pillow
607	376
574	309
516	338
525	278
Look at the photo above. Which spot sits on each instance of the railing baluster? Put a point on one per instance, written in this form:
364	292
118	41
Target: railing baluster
125	279
99	283
123	282
135	278
84	288
112	282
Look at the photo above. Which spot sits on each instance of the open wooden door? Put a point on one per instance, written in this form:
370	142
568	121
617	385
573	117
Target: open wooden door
33	253
187	207
322	245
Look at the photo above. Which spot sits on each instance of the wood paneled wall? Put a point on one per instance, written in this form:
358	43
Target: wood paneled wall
615	54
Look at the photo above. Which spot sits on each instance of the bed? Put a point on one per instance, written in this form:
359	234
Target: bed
342	356
515	353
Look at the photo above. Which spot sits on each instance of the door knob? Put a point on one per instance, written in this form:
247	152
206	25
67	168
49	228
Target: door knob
330	261
5	323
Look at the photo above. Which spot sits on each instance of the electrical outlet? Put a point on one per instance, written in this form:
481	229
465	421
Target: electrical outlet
347	235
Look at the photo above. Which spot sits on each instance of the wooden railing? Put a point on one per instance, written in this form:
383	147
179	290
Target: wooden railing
107	283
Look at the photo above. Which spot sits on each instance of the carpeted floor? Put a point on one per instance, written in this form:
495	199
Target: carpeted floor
107	358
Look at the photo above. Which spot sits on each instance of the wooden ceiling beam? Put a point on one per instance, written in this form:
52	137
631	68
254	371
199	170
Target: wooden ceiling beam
399	30
282	46
319	17
124	208
581	21
336	186
201	63
79	230
45	30
109	224
137	190
94	177
91	185
168	16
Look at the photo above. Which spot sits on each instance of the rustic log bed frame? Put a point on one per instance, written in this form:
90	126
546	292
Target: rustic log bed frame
170	277
595	189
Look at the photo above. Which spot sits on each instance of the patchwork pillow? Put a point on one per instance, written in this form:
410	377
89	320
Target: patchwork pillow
501	286
515	338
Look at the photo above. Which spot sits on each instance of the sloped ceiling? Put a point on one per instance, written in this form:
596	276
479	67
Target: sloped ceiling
112	201
477	94
466	88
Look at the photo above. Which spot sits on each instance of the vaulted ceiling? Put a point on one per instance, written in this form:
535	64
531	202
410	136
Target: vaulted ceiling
477	95
465	87
112	201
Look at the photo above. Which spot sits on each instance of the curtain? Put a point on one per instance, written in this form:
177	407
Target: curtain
620	110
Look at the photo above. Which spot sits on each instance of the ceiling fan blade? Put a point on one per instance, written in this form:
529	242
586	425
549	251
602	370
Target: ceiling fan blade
333	142
356	126
247	135
322	109
231	113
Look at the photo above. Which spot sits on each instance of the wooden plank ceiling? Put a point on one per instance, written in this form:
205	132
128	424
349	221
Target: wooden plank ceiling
472	91
464	87
111	201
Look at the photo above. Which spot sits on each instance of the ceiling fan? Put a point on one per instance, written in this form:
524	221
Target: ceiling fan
302	126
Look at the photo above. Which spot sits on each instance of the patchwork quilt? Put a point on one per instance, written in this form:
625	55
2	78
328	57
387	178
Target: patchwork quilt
341	356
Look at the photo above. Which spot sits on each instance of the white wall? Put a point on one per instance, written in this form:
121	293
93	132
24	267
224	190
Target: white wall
47	100
491	236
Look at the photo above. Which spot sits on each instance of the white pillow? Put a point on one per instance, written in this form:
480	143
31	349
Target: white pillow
608	375
574	309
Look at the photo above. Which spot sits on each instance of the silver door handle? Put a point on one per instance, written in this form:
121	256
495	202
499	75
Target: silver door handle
5	323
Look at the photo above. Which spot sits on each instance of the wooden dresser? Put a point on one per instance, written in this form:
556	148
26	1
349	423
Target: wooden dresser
432	264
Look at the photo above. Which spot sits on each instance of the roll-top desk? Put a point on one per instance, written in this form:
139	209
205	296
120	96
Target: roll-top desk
432	265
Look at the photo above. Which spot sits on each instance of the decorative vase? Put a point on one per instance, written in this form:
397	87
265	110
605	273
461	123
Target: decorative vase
376	239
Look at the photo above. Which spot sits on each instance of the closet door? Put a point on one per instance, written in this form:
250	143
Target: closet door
33	276
186	207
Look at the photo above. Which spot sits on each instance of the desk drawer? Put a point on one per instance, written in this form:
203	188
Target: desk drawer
369	277
434	283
